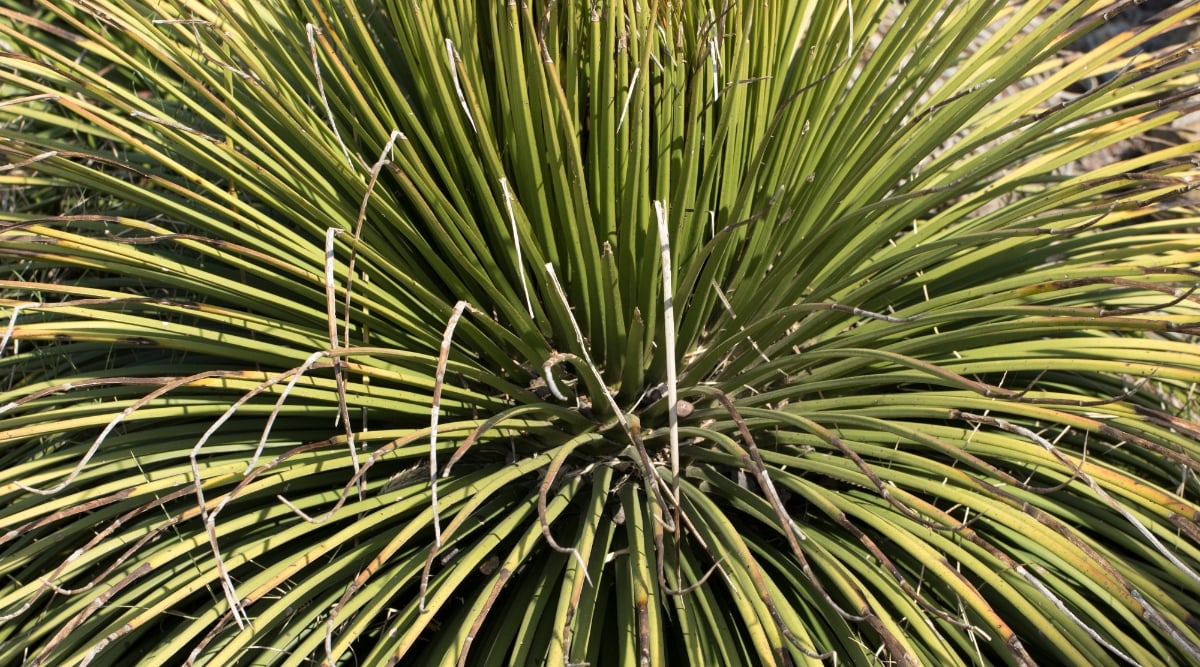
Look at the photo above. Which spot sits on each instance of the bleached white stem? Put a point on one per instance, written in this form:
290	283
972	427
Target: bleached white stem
669	334
512	218
452	54
312	47
435	412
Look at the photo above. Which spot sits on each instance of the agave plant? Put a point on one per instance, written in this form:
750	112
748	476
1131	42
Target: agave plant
604	333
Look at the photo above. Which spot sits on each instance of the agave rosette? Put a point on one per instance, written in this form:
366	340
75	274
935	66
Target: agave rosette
338	334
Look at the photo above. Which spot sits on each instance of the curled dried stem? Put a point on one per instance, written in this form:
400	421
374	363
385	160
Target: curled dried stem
435	412
630	424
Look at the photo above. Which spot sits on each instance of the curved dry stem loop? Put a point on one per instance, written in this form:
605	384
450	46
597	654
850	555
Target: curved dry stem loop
294	374
662	577
880	486
455	60
660	556
313	32
1079	473
754	462
376	456
630	424
97	539
435	412
1066	611
82	384
651	476
88	611
169	385
683	521
1153	615
373	179
490	423
982	388
1006	477
543	491
339	363
36	158
355	481
516	235
548	372
764	594
208	517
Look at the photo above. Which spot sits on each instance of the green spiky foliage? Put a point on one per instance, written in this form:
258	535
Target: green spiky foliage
607	333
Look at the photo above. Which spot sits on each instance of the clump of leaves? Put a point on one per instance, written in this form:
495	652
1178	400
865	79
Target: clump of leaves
595	333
